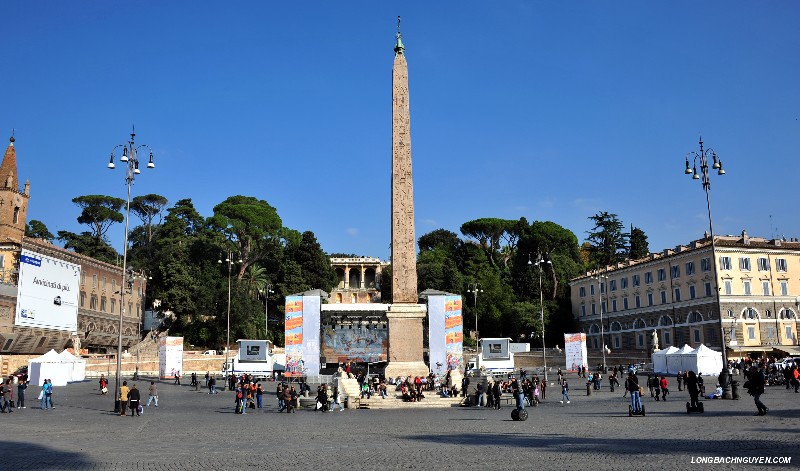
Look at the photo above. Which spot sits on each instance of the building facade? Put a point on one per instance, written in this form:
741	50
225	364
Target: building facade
99	297
359	280
744	294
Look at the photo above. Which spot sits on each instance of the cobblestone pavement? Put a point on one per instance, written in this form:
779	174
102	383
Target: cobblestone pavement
193	430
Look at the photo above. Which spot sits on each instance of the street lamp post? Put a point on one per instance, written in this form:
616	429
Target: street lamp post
229	262
267	292
130	157
539	262
702	157
474	288
600	285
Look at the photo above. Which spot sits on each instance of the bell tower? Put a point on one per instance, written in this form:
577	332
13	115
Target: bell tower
13	201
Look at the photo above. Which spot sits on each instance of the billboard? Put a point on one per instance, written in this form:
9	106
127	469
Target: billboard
356	342
293	336
495	349
47	295
575	351
445	333
253	350
170	356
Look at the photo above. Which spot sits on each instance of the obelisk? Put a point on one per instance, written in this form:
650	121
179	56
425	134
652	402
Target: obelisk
405	315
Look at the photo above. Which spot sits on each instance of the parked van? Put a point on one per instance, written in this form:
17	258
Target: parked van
209	352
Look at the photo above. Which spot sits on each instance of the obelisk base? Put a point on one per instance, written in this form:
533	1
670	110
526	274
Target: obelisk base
405	340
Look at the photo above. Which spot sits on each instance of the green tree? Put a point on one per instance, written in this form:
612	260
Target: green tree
87	244
436	269
315	266
147	208
609	243
99	212
440	239
491	233
639	248
37	230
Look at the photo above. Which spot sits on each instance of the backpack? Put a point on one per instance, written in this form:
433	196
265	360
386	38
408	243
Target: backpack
239	394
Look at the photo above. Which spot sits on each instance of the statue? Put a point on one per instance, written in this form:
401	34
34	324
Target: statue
655	340
76	344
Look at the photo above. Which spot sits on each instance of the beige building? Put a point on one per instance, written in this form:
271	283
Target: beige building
359	279
100	283
672	296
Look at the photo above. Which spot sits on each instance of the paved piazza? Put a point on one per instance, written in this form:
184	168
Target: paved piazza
193	430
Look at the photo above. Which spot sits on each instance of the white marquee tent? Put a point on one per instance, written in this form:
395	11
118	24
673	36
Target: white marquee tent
77	366
703	360
660	359
49	366
675	359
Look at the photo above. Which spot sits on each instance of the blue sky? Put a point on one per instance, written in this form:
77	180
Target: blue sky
547	110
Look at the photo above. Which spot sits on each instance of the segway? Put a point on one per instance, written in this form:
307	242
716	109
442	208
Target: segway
698	409
632	412
519	414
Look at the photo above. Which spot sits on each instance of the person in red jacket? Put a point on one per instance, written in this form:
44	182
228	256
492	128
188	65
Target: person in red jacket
664	388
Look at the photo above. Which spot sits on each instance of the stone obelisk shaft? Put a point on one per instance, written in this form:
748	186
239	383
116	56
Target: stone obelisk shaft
404	254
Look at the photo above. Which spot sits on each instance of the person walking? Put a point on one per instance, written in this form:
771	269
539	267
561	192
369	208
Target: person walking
259	395
664	388
207	377
8	390
152	391
47	394
680	380
103	384
755	387
124	390
795	378
134	398
543	389
21	387
692	386
178	378
564	391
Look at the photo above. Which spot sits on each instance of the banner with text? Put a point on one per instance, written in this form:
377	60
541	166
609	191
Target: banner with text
575	351
293	336
47	293
170	356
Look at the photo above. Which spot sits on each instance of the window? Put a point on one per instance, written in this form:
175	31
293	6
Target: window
697	335
649	299
613	305
746	284
730	312
130	308
602	288
103	304
663	297
695	317
750	313
763	264
728	287
765	287
662	274
94	281
788	335
692	292
708	288
625	303
744	263
751	333
638	301
648	277
725	263
591	290
780	264
666	339
93	303
105	280
616	342
635	279
641	340
16	215
83	299
689	268
768	313
623	283
784	288
113	305
83	277
594	309
705	264
677	294
675	271
771	332
612	285
582	291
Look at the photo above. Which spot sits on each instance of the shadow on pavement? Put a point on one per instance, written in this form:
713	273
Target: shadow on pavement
32	455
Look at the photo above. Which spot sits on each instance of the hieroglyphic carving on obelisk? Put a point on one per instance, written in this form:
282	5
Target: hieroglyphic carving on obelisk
404	253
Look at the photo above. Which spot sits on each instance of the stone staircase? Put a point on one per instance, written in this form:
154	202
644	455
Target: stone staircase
349	388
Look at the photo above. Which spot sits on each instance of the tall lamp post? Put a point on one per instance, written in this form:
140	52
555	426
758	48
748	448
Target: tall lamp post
228	261
130	157
267	292
474	288
702	158
600	285
539	262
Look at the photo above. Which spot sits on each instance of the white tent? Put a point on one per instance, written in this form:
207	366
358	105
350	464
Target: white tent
660	359
48	366
707	361
77	366
675	360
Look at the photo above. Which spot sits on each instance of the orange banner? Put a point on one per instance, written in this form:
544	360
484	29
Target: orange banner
294	306
451	322
454	305
294	323
454	337
294	339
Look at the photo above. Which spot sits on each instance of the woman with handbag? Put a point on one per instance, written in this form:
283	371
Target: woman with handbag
103	385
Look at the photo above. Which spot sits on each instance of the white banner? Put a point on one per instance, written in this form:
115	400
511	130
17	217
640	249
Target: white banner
575	351
170	352
47	295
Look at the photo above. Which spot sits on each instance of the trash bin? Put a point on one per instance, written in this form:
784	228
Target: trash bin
588	388
735	389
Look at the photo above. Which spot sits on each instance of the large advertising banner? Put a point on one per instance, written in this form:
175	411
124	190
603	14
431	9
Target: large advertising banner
47	295
575	351
355	342
454	333
170	356
293	336
445	334
253	350
311	328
